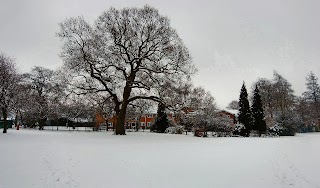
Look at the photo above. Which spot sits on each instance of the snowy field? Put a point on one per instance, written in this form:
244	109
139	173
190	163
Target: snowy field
58	159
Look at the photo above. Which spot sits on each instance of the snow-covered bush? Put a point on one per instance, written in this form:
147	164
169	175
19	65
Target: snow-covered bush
288	123
174	130
198	132
274	130
221	126
170	130
221	134
179	130
254	133
239	129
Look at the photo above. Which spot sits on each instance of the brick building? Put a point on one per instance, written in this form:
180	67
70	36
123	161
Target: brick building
228	115
145	121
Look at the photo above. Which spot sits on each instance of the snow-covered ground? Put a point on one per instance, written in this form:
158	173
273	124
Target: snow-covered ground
38	159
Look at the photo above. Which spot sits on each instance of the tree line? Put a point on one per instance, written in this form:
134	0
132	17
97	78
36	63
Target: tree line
43	94
124	62
275	105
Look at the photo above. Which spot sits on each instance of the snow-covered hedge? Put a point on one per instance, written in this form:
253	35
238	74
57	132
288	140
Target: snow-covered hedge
174	130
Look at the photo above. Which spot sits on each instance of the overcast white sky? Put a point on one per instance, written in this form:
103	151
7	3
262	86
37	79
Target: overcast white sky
231	41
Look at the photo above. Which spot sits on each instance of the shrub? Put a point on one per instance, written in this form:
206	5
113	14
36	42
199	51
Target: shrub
174	130
240	129
274	130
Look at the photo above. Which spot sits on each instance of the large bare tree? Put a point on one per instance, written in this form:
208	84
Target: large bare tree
312	95
126	54
9	79
277	97
265	87
45	92
283	94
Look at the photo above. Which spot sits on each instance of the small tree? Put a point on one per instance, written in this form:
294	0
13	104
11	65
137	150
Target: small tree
259	123
161	123
288	123
245	115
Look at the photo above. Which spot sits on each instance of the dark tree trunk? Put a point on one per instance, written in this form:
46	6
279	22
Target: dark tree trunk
16	119
5	122
120	130
41	123
121	113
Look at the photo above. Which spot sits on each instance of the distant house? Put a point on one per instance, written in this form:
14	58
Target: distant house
145	121
228	115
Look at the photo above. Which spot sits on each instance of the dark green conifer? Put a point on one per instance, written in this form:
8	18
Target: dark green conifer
161	123
245	115
259	123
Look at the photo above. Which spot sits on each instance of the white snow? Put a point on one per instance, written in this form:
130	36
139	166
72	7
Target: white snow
58	159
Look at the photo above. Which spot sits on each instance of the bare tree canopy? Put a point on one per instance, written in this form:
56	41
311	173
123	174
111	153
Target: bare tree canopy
9	79
233	105
276	95
44	92
312	95
127	54
199	108
283	93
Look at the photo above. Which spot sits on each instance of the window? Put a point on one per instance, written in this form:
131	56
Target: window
150	116
228	116
148	125
142	124
110	125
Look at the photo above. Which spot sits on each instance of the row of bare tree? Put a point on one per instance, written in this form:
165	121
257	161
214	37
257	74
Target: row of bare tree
127	58
37	96
43	94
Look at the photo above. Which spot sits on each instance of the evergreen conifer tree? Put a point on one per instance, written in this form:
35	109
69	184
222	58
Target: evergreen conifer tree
161	123
245	115
259	123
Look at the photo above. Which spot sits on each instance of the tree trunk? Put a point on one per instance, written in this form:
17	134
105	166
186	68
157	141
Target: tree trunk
5	122
121	113
41	123
16	119
120	130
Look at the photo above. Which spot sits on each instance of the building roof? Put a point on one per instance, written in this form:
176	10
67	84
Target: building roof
234	112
